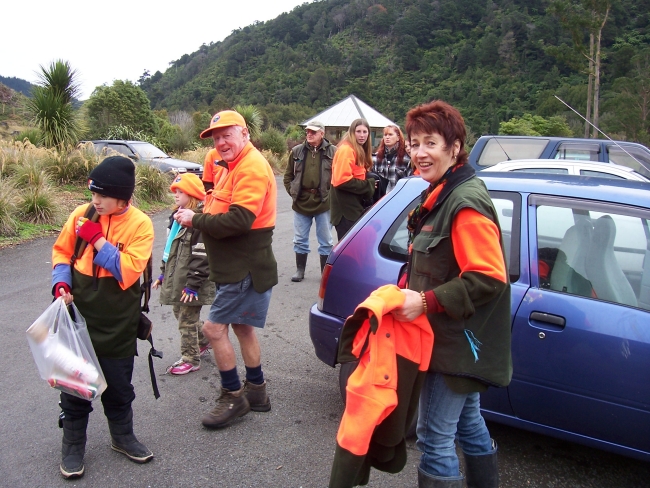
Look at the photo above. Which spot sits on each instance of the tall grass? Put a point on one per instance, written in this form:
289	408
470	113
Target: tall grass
73	165
8	198
38	204
151	185
277	161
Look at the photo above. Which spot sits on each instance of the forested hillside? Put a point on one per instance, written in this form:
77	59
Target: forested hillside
17	84
494	59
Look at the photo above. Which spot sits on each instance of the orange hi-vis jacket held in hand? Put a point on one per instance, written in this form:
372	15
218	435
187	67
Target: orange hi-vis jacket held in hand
382	394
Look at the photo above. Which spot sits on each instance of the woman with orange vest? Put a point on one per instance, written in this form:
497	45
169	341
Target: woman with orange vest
350	187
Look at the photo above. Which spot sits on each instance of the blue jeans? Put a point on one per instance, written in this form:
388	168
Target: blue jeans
301	228
444	416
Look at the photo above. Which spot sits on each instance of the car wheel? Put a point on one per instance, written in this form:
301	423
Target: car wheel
345	371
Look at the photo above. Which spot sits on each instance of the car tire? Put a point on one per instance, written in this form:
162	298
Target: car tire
345	371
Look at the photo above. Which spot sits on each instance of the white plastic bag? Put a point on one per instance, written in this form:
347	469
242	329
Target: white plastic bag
64	353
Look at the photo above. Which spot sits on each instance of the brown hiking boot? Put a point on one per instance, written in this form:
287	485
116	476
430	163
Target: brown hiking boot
230	405
257	397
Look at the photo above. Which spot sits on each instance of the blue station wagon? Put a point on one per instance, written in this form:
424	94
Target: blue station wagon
578	255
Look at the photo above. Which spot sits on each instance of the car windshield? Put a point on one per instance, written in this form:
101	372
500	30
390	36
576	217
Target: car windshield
499	149
148	151
631	156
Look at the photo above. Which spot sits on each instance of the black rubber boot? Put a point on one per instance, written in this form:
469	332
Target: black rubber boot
123	440
482	471
426	480
323	261
301	264
73	447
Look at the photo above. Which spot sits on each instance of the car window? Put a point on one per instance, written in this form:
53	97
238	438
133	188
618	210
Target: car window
148	151
581	151
553	171
394	245
600	253
500	149
600	174
121	148
508	207
636	157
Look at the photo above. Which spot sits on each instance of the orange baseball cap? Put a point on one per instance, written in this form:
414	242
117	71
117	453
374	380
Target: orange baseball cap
225	118
190	184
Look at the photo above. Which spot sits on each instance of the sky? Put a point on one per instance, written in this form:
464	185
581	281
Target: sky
119	39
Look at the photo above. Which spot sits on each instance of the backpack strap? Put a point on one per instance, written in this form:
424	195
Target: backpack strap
145	289
80	244
153	352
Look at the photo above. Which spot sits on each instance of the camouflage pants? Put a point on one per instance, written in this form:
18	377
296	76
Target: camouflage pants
190	325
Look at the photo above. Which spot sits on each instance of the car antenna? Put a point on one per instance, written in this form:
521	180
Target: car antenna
504	151
580	115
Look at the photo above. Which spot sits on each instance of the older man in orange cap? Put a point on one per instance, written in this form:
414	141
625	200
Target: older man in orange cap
237	225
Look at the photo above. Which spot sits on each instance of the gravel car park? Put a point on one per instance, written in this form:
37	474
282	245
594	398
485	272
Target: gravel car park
578	255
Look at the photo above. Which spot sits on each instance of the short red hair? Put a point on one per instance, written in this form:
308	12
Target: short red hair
440	118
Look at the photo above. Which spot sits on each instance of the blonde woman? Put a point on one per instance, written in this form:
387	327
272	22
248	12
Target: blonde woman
350	187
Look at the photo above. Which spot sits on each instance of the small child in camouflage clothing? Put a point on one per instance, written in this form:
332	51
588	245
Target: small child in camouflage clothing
184	274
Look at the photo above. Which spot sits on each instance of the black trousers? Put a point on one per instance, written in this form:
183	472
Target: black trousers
343	227
117	397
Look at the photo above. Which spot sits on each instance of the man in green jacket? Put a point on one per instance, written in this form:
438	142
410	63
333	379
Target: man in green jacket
308	179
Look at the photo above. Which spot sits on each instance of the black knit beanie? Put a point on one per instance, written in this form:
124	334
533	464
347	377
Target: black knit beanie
113	177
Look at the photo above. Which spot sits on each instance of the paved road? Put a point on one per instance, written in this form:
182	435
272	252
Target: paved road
291	446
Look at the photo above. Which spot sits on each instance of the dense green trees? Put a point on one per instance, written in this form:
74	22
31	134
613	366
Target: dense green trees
494	59
124	104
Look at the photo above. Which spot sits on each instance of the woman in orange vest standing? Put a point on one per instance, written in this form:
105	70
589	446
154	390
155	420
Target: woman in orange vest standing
351	191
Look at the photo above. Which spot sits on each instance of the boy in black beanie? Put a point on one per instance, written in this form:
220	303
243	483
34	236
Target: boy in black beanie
105	280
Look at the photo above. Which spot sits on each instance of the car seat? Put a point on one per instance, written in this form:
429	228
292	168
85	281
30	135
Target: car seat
569	271
644	294
607	277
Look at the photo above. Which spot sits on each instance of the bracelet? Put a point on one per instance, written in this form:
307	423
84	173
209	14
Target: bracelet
424	301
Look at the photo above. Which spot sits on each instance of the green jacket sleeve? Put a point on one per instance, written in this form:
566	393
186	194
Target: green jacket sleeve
236	221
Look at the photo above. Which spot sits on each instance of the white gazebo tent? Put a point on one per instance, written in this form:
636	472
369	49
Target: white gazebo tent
338	117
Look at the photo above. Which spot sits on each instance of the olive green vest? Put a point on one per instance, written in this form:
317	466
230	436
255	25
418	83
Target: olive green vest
433	264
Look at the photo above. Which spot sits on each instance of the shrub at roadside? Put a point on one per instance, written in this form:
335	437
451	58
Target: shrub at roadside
277	161
195	155
150	185
73	165
38	205
273	140
8	198
32	135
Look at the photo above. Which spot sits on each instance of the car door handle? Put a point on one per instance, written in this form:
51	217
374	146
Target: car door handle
555	321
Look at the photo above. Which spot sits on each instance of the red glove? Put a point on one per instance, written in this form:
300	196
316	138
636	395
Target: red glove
90	231
58	286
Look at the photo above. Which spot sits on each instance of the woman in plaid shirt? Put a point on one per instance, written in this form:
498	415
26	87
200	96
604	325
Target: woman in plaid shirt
391	162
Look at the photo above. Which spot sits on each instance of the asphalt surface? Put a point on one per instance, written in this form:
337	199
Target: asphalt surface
290	446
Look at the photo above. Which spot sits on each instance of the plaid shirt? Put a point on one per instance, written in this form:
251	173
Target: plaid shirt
388	168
